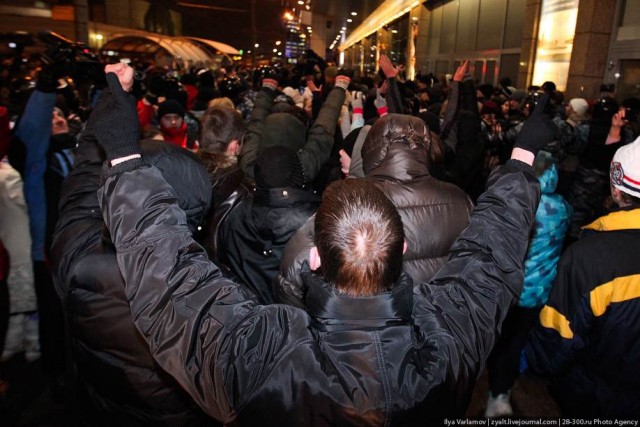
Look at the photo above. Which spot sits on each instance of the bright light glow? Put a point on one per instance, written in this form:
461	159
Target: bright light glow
279	53
12	45
344	28
307	7
617	75
394	31
99	37
275	50
278	43
303	36
300	2
288	16
257	45
386	13
354	13
555	44
349	20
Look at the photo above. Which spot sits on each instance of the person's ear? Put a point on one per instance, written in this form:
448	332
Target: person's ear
404	247
314	258
616	195
233	148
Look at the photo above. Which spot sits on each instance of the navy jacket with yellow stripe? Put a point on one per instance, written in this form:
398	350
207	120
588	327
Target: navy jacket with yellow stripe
588	337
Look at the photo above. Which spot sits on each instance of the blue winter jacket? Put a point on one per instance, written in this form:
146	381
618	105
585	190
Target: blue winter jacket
545	245
34	129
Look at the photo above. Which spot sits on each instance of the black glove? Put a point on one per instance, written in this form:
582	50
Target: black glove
538	129
115	121
48	78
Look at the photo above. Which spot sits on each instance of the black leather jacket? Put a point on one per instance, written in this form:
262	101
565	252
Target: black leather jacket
340	363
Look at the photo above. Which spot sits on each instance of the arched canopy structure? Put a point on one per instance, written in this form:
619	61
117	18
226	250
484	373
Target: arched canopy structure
188	51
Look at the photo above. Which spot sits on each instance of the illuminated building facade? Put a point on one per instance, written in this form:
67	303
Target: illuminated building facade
578	44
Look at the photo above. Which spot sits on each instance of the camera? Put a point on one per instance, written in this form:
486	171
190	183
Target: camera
76	59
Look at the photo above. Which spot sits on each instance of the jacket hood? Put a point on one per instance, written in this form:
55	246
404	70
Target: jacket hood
185	173
546	171
397	146
284	129
549	180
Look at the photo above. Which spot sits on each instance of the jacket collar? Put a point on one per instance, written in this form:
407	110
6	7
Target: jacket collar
628	219
334	311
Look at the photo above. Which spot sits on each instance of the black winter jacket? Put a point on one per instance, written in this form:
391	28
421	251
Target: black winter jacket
117	375
588	337
433	212
398	358
253	236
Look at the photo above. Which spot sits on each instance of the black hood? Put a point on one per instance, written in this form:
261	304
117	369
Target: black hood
185	173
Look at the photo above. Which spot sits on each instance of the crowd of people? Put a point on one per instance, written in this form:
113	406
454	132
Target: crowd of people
303	245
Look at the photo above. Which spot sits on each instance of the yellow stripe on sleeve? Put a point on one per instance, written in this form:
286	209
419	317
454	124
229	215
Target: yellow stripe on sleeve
552	318
618	290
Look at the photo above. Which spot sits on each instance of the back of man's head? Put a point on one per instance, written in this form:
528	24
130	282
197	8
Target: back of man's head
359	236
220	126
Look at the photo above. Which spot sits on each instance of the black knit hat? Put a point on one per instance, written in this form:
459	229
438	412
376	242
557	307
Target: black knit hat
170	106
278	166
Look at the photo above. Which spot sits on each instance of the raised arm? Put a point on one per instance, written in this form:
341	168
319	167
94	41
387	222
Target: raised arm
183	307
320	140
255	128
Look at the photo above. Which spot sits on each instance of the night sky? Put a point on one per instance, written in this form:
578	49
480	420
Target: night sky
234	28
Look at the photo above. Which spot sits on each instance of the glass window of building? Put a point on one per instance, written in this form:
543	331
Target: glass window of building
513	27
491	24
467	25
449	26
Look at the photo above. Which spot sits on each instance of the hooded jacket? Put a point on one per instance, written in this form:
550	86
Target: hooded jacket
547	240
395	157
313	146
398	358
116	372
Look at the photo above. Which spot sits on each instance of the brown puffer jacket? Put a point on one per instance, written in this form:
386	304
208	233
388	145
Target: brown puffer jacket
434	213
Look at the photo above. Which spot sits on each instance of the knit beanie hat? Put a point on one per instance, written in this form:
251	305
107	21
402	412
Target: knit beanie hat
170	106
579	105
489	107
518	95
278	166
625	169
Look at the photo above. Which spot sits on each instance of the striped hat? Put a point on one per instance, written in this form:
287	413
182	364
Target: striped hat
625	169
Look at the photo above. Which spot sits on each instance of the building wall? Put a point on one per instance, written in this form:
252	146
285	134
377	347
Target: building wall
622	66
488	33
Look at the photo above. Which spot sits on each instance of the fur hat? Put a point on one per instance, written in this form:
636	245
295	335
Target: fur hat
625	169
